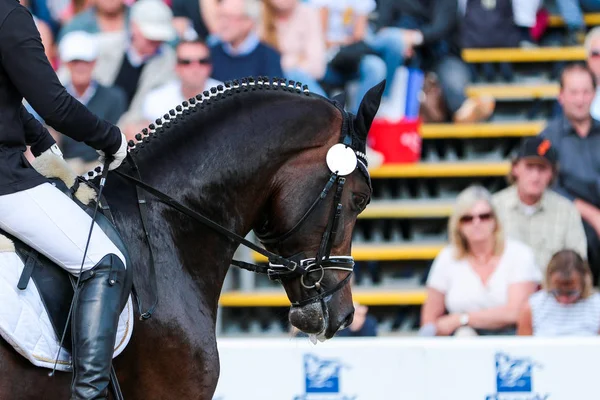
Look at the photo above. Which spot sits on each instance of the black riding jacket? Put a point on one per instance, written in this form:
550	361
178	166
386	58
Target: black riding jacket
26	73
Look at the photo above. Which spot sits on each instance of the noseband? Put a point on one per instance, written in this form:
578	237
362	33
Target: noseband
280	268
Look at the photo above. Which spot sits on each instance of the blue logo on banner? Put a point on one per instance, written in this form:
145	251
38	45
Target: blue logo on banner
322	376
322	379
514	375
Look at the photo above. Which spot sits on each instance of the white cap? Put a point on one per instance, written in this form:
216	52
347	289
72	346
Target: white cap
154	18
78	45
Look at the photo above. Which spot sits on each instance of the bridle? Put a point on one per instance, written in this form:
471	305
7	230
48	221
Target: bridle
323	261
279	268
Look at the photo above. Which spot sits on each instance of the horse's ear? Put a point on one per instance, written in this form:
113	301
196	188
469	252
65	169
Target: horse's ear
340	98
368	109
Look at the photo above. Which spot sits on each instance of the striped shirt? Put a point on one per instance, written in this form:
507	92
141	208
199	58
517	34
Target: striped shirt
551	225
550	318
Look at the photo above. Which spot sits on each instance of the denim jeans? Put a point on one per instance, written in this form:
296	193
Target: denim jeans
371	71
298	75
389	45
454	76
572	11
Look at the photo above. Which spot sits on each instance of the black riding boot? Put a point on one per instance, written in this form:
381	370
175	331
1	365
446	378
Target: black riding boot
102	294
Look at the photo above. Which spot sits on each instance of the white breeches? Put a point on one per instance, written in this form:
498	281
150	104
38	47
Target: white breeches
50	222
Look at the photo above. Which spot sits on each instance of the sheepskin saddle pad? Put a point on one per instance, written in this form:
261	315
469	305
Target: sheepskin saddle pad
35	304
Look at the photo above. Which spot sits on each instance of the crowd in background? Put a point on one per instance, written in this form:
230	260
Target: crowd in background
523	260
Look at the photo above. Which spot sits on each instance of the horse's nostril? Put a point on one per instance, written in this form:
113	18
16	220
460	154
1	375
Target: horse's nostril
347	321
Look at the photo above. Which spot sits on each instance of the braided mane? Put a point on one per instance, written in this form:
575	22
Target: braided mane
178	117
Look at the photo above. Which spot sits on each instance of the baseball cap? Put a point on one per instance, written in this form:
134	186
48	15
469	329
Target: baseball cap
155	20
78	45
538	147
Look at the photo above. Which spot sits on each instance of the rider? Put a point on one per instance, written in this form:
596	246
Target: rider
39	214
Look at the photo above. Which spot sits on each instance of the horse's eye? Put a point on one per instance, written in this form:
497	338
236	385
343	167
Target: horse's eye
359	201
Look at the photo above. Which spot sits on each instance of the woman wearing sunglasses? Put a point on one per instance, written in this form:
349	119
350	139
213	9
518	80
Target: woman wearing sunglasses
479	282
568	305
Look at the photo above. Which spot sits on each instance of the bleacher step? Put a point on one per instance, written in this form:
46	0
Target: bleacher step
441	169
524	55
407	209
395	251
482	130
507	92
372	297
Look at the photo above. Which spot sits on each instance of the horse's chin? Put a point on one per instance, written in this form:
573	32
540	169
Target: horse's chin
311	319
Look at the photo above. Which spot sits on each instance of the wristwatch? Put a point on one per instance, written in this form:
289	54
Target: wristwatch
464	319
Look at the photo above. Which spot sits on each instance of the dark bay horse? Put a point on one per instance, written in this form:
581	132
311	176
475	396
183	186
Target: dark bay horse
251	156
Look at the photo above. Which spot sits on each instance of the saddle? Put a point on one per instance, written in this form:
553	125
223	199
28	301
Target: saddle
55	285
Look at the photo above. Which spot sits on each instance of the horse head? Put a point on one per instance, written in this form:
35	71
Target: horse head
312	224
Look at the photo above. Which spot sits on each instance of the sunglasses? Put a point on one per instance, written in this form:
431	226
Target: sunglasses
566	293
188	61
482	217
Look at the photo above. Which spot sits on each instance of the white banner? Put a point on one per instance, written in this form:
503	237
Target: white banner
409	369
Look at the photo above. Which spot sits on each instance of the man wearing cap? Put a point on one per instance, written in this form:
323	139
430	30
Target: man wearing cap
78	52
142	63
533	213
576	137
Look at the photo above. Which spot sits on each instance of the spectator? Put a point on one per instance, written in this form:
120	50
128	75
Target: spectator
46	34
47	11
482	278
592	49
571	11
47	40
526	13
362	325
345	25
142	63
534	214
78	51
199	16
240	52
109	17
576	137
429	35
64	13
193	77
294	29
489	24
568	305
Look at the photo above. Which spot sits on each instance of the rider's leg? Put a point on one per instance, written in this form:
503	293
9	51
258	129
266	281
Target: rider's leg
50	222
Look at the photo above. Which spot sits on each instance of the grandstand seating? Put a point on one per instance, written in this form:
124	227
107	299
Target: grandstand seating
404	227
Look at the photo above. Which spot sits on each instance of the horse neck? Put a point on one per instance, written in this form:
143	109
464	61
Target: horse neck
224	170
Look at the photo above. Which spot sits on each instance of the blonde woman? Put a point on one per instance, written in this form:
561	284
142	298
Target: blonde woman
294	29
482	278
568	305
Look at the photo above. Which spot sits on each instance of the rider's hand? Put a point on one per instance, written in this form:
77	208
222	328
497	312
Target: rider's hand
119	156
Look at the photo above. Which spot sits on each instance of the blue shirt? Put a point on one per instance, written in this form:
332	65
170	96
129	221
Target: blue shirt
578	160
251	58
